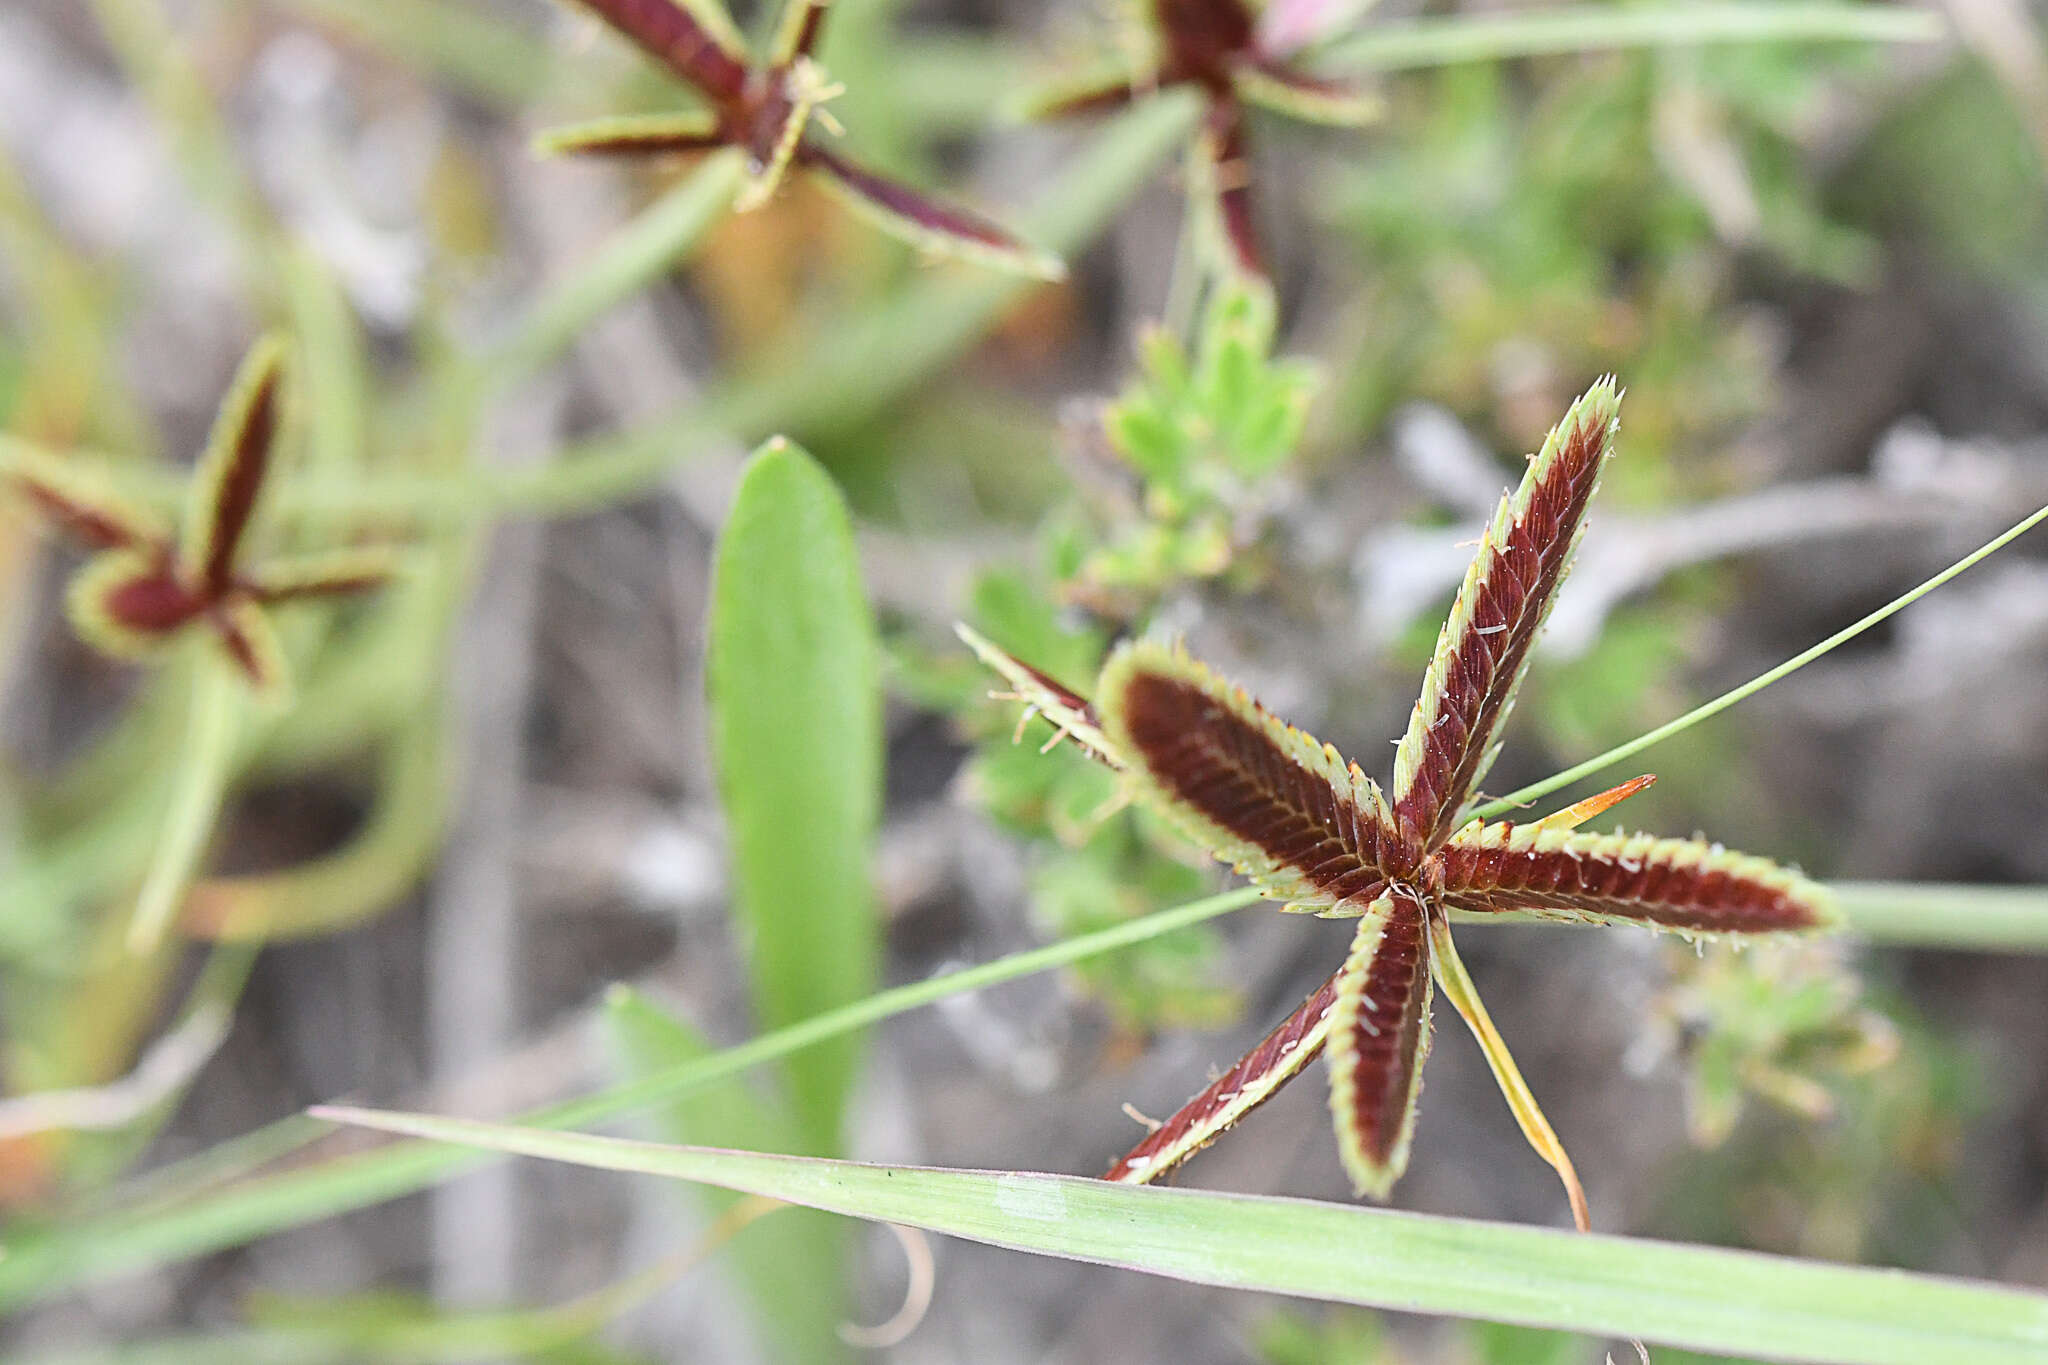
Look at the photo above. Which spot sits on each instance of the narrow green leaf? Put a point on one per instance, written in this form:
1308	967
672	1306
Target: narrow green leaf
1706	1298
174	1222
794	1264
1521	796
664	234
1492	37
195	802
793	668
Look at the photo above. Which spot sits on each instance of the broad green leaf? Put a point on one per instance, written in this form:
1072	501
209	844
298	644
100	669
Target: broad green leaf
1705	1298
794	674
793	1264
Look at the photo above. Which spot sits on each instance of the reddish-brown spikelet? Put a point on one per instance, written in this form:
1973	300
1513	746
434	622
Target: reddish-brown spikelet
143	587
1204	39
153	602
1379	1038
765	109
231	472
1252	1080
1311	829
906	211
1256	792
672	36
1484	647
95	527
1626	879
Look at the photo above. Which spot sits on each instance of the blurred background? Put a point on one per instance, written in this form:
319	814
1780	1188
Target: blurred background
1820	268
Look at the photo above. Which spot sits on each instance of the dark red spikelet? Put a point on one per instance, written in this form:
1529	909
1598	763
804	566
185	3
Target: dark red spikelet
1627	879
1255	1078
900	201
672	36
1484	647
1255	792
152	604
236	480
1379	1037
1204	38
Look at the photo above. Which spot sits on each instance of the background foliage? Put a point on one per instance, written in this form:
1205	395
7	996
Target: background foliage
625	673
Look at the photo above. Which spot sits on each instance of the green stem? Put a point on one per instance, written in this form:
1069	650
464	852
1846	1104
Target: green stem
43	1262
1590	28
195	802
1516	800
653	243
1945	915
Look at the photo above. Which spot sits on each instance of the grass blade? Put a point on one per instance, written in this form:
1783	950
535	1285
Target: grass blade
794	1264
1522	796
166	1226
1594	28
37	1262
195	802
793	668
1705	1298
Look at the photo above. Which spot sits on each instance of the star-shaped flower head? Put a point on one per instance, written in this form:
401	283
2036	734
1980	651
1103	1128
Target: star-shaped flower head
766	110
1216	47
1314	831
150	582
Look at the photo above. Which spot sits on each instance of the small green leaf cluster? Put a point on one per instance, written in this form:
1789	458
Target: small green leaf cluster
1201	436
1203	429
1100	862
1781	1022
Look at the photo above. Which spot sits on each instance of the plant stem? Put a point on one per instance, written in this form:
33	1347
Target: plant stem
39	1263
1591	28
653	243
1946	915
1521	797
195	802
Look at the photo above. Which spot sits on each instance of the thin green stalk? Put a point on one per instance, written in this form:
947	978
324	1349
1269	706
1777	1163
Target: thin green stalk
38	1263
1444	40
195	802
1521	797
653	243
2004	919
